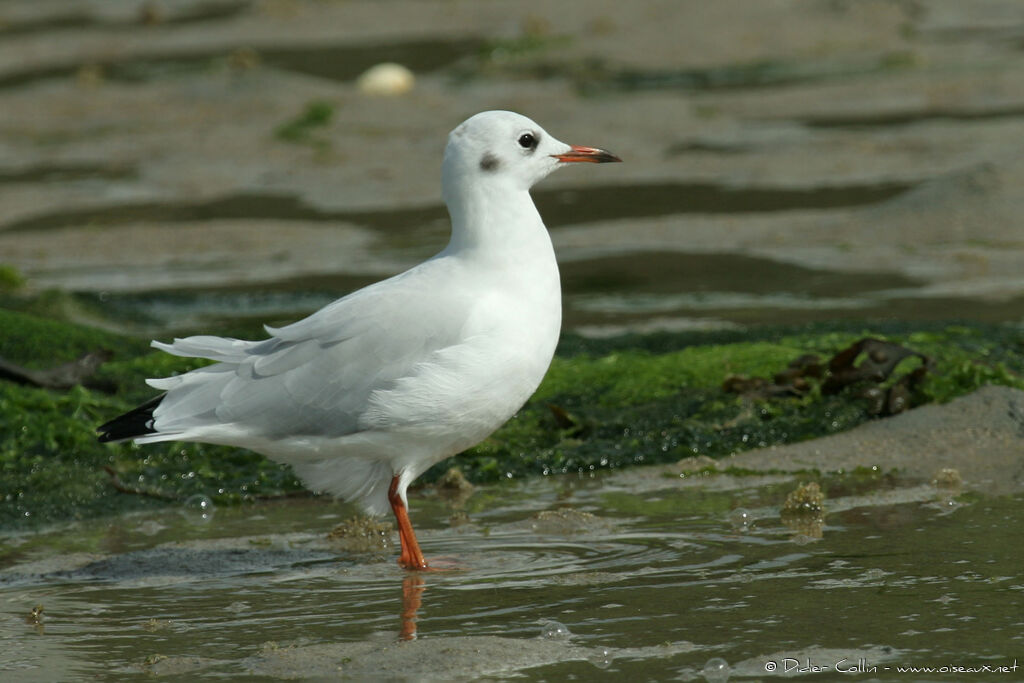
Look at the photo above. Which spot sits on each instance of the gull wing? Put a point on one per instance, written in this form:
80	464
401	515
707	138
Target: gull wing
314	377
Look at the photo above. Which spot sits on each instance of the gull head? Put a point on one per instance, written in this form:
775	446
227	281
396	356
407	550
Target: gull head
506	150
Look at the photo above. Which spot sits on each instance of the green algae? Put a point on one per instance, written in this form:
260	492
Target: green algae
316	115
37	342
52	466
10	278
656	406
603	405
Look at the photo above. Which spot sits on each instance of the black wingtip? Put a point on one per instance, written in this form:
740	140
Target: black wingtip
137	422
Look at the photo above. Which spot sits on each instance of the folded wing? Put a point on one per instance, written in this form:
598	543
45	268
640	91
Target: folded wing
311	378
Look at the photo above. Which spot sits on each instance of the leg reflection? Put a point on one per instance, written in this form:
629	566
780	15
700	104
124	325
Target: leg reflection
412	595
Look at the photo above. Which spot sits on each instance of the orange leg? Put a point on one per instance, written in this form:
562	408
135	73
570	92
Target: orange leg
412	556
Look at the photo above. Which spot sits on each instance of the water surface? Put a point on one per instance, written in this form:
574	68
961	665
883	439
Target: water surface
551	579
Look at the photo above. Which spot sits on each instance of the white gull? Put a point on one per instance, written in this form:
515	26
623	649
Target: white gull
364	395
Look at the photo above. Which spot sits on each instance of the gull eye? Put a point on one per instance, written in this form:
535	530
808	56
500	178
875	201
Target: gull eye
527	141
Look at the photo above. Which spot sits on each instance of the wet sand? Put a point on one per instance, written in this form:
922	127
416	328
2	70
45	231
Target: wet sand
141	146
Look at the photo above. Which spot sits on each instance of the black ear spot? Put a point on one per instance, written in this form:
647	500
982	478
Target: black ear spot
489	163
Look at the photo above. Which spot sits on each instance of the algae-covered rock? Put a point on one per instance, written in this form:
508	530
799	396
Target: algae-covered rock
804	512
642	400
805	499
661	405
362	535
54	468
947	478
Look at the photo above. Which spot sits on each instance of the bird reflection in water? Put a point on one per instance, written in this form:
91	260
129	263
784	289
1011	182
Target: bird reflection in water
412	596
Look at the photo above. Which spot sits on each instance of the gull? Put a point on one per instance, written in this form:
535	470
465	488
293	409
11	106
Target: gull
366	394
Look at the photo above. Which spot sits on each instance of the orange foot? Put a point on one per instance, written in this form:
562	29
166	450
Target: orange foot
412	556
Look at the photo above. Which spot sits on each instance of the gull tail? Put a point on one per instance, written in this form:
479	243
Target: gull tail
137	422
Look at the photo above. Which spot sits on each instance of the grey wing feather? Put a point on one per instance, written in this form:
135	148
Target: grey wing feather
313	377
206	346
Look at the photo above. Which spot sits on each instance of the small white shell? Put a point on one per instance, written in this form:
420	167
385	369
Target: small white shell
386	78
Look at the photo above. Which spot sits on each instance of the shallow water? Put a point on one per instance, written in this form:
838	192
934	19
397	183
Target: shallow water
646	576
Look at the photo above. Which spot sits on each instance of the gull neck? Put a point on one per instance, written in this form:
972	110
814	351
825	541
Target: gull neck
493	216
